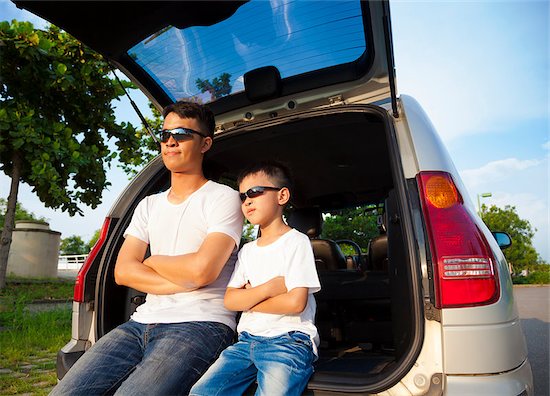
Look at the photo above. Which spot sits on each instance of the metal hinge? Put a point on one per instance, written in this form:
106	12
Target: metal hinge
336	100
431	312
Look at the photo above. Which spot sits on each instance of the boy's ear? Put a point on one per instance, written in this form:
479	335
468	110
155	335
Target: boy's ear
206	144
284	196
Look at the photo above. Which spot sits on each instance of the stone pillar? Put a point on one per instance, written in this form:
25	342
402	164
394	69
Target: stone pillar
34	251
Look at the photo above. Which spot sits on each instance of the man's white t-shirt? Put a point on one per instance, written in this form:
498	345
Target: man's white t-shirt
172	230
290	256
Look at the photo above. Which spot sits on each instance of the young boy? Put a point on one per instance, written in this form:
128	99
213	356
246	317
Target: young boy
273	284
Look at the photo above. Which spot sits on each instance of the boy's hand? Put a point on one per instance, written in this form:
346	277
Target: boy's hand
276	286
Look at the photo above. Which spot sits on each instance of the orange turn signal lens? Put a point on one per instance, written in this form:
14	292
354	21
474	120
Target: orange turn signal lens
441	192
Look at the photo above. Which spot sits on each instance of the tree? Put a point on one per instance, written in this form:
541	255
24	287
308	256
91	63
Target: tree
57	123
220	86
358	224
93	241
73	245
20	213
521	255
148	148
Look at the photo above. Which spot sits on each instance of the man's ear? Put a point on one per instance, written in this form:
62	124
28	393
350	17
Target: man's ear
206	144
284	196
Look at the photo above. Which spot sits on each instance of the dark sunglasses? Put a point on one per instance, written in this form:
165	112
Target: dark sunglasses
178	134
257	191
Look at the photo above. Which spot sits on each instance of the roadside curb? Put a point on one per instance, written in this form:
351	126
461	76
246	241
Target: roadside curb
533	285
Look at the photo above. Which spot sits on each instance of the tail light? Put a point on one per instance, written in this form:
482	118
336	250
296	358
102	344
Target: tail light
464	266
81	277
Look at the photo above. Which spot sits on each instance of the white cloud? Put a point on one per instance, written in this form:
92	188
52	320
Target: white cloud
519	183
546	145
495	171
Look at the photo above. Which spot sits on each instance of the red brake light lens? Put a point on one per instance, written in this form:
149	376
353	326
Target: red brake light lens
78	295
464	266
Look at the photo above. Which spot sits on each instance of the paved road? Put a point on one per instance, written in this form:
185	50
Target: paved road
534	310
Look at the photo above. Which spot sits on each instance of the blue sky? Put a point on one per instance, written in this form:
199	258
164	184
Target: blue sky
480	69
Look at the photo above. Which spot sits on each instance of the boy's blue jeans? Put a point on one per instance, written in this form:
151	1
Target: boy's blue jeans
282	366
140	359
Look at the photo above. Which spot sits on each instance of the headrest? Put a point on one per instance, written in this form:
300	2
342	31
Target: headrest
306	220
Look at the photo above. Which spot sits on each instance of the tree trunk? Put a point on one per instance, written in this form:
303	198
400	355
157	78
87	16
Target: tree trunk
9	219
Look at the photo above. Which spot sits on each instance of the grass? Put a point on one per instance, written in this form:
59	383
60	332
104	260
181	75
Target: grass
30	339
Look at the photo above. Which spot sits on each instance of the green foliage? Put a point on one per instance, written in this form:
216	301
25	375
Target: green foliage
521	255
249	232
534	278
32	339
73	245
26	290
219	87
539	274
148	147
358	224
76	245
57	116
93	240
20	213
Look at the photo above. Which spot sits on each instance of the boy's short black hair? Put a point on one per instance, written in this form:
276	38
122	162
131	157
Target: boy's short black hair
199	112
277	171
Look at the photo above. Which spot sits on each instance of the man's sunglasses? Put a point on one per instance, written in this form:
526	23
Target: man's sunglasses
178	134
257	191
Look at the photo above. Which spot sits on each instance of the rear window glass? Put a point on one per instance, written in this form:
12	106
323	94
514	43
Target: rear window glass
208	62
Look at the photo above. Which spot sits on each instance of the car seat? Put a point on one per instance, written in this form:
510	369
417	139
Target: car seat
327	253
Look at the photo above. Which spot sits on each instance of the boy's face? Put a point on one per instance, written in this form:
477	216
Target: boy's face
265	208
184	155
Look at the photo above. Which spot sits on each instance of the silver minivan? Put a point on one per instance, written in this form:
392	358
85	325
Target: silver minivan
423	304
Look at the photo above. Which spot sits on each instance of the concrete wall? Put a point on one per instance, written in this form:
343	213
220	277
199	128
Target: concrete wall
34	250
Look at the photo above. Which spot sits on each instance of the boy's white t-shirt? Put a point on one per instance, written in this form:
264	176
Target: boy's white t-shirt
172	230
290	256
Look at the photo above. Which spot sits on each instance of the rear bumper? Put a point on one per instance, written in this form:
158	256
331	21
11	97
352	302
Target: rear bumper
68	355
512	383
65	361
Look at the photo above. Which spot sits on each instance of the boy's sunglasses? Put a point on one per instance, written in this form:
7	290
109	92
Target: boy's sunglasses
257	191
178	133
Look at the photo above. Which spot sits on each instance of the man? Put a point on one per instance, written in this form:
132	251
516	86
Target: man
193	230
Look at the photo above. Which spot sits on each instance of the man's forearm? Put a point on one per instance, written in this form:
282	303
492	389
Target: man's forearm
145	279
176	269
198	269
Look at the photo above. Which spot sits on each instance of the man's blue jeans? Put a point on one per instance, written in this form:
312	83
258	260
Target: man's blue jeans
282	366
154	359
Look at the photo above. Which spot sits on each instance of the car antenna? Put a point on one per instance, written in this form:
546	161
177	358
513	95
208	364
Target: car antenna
142	118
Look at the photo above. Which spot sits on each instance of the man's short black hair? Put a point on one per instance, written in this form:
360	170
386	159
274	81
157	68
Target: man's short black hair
197	111
277	171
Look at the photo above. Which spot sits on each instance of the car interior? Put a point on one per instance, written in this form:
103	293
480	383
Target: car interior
340	159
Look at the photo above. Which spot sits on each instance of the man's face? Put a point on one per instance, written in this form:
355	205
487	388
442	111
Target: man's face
184	155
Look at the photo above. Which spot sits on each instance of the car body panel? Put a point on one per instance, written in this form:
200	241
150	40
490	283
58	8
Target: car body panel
517	382
464	346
